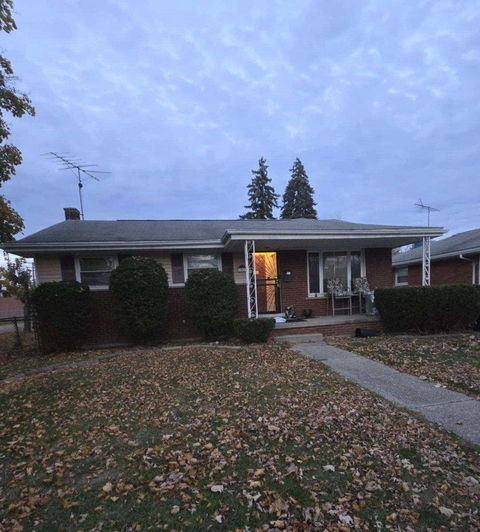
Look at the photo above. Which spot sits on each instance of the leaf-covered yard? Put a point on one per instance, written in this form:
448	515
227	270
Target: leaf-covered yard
450	360
211	438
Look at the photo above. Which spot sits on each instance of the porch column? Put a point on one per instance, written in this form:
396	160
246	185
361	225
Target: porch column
426	261
251	279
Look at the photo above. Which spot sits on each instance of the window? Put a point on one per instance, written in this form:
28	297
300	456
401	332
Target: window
201	262
95	271
313	273
344	265
401	276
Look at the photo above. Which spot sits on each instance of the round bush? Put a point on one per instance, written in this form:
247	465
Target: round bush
140	287
253	330
213	297
62	312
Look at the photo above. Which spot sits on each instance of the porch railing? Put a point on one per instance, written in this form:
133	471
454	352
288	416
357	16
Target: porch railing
251	278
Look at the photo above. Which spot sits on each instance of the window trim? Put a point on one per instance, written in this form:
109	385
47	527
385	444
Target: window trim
78	275
396	276
185	263
315	295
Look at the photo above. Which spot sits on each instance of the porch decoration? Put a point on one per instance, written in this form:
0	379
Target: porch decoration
361	288
337	291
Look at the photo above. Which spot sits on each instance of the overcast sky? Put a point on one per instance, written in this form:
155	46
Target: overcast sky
179	99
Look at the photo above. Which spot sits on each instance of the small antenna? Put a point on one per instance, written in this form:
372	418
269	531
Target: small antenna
428	208
70	162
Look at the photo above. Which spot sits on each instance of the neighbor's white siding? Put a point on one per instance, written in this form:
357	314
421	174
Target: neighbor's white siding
165	261
47	269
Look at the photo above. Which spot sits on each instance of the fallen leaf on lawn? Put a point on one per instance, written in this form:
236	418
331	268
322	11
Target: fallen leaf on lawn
107	488
446	511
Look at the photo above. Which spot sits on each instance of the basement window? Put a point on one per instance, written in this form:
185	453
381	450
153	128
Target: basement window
95	271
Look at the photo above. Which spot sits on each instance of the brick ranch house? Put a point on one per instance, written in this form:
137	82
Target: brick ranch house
293	259
454	260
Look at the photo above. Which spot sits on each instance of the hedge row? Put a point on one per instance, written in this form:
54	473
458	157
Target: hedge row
140	287
62	311
428	309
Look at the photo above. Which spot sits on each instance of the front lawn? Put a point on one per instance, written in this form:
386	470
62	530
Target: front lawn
451	360
206	438
26	358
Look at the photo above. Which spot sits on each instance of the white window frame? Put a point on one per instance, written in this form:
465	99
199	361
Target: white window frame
363	269
78	271
185	262
396	276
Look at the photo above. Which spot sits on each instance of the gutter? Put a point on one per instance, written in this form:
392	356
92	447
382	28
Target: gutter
461	257
281	234
50	247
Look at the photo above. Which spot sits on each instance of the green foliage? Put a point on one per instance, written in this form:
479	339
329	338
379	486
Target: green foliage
17	279
140	286
298	199
261	195
15	104
214	299
428	309
253	330
62	312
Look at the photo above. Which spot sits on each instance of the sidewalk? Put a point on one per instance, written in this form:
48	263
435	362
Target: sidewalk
452	410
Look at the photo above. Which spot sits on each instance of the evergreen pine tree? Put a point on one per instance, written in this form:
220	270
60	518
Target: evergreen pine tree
298	199
261	195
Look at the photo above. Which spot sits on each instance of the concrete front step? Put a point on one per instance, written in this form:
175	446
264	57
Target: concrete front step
301	338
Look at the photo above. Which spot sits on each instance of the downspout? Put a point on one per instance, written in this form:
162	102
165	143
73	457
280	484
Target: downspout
461	257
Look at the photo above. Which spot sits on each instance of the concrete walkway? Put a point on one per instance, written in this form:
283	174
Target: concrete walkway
454	411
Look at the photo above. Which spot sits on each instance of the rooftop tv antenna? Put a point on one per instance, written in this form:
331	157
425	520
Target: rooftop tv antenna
427	208
78	167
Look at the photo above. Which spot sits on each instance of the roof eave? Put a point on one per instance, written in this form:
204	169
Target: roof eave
439	256
232	235
29	249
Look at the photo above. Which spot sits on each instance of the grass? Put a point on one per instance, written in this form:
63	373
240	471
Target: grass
450	360
197	438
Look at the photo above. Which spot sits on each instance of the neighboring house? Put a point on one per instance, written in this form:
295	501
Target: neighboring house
454	260
294	259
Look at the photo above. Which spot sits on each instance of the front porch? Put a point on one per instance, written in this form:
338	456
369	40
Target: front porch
329	325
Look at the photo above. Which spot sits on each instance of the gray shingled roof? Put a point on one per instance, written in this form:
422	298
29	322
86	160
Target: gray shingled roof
466	242
178	230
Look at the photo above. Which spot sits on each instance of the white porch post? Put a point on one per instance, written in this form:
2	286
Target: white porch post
251	279
426	261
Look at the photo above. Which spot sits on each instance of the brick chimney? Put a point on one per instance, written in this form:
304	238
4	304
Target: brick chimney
71	213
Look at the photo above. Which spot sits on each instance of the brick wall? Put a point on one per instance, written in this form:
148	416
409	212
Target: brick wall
180	322
451	271
331	329
378	262
295	292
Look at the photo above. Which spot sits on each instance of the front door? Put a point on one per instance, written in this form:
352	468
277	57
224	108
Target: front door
268	287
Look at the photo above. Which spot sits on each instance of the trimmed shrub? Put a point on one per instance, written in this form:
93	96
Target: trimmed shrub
140	287
428	308
62	311
214	299
253	330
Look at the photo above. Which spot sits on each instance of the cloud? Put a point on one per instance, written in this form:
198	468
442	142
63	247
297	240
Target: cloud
179	100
